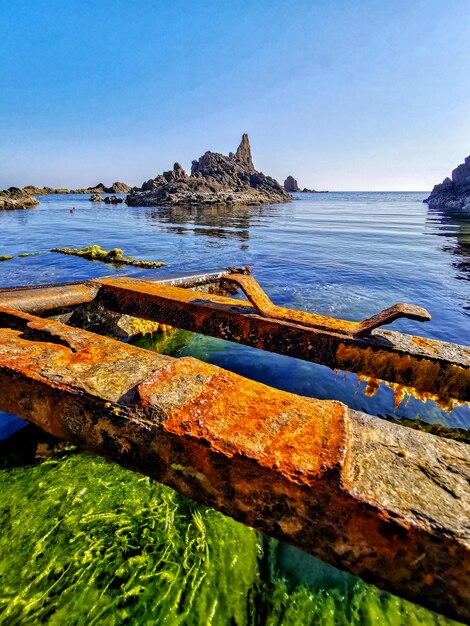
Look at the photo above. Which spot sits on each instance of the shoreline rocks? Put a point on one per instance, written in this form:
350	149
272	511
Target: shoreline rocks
453	193
214	179
15	198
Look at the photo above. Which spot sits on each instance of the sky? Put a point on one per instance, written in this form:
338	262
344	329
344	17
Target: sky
342	94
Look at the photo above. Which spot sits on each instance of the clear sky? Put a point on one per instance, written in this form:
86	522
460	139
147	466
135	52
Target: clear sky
343	94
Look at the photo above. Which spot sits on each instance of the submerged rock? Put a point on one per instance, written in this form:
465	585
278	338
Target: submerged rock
95	197
114	256
453	193
15	198
214	179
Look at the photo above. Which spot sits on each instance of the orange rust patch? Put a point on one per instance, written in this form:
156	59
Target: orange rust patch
302	437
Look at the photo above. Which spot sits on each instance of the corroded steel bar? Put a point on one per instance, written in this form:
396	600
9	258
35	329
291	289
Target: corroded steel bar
264	306
40	298
388	503
435	369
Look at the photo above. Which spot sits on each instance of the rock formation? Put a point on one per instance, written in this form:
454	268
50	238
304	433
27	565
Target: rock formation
116	187
113	200
95	197
119	188
453	193
290	185
14	198
214	179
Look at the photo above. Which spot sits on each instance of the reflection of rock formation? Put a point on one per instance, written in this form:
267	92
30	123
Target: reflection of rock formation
455	227
219	222
453	193
214	179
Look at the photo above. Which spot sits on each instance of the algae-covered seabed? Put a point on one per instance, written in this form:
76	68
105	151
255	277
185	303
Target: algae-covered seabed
84	541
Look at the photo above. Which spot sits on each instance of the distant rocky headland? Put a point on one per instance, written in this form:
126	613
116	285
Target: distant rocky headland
214	179
453	193
291	186
16	198
116	187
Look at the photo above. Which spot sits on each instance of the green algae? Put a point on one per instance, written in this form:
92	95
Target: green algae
84	541
25	254
170	343
330	597
5	257
114	256
457	434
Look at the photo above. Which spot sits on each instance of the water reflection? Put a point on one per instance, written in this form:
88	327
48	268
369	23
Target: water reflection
454	225
216	222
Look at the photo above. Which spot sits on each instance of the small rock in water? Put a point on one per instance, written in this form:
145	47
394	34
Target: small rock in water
453	193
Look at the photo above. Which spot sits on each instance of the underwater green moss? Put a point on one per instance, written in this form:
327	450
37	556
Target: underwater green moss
5	257
24	254
85	542
170	343
114	256
458	434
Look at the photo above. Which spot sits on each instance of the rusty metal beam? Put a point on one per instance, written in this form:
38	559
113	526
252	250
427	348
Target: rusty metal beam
385	502
45	298
41	298
435	369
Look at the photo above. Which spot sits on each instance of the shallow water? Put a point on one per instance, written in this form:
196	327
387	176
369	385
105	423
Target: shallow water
341	254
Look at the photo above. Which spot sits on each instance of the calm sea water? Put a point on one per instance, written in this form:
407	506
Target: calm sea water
342	254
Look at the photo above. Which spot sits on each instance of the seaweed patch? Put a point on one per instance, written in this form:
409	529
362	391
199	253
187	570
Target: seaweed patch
114	256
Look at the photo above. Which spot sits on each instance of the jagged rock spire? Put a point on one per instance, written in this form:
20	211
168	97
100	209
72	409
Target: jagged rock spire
244	152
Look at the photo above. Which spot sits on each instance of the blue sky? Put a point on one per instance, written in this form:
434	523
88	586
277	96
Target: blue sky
343	94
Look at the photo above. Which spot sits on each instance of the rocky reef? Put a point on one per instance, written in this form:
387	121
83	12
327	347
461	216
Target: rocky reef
15	198
214	179
116	187
453	193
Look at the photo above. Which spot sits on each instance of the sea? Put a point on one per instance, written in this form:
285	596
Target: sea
346	255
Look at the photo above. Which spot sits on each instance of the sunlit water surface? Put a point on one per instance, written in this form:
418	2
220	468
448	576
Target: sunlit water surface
342	254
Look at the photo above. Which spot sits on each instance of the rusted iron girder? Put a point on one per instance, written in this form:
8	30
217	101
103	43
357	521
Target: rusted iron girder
435	369
47	298
388	503
36	299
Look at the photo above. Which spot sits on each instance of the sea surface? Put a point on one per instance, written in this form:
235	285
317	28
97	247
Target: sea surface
347	255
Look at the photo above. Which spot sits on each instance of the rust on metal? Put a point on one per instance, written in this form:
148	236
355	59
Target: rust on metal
265	307
436	369
38	299
385	502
